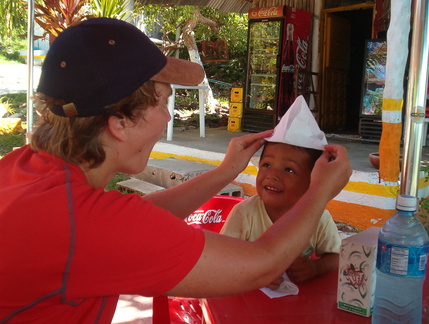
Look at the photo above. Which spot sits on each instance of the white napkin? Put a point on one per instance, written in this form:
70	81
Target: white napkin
298	127
286	288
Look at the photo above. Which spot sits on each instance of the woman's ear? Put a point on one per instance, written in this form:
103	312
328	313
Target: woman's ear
118	127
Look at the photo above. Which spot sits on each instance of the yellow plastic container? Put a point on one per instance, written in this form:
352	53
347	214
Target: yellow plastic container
235	109
237	95
234	124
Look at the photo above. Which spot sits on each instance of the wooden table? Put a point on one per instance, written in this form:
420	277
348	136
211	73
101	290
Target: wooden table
315	303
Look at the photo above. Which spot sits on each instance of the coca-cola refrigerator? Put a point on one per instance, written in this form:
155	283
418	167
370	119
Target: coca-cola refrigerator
277	55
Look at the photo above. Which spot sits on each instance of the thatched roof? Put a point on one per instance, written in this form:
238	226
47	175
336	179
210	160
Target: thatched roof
240	6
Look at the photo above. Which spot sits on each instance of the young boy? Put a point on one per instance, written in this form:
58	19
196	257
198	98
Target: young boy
284	176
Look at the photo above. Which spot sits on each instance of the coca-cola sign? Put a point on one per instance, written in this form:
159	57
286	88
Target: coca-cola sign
295	56
204	217
268	12
301	59
301	53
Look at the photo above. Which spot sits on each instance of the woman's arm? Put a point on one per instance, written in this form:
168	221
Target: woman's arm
230	266
185	198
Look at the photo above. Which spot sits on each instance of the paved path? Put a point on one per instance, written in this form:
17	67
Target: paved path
13	78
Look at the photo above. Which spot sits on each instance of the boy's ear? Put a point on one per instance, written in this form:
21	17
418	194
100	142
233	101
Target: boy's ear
118	127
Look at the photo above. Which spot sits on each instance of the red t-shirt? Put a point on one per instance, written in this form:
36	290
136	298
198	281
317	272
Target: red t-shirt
68	250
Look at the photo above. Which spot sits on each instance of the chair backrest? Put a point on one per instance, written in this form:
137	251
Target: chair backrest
212	215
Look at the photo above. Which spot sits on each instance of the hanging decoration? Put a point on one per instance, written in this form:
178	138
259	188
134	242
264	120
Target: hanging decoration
214	52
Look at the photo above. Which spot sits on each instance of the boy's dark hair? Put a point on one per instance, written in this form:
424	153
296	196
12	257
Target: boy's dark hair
313	153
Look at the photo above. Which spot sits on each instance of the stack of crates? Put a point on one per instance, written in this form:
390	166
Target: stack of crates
235	110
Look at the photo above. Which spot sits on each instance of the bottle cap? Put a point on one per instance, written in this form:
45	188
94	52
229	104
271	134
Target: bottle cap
406	203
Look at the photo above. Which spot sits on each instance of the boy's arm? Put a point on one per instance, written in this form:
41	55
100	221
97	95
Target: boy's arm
303	269
327	245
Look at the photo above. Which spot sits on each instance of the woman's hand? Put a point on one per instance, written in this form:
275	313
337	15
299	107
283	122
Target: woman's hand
241	149
183	199
332	171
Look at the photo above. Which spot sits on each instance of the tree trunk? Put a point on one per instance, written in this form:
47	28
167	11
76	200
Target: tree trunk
191	45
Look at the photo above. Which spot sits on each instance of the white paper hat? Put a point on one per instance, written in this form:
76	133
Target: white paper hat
298	127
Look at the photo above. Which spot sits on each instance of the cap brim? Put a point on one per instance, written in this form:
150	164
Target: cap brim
182	72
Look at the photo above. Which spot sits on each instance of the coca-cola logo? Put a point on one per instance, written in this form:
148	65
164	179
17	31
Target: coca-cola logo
210	216
266	12
301	59
301	53
288	68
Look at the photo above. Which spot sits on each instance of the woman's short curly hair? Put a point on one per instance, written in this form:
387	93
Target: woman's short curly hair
77	140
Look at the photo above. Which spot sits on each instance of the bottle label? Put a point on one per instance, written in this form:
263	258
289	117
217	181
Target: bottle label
402	261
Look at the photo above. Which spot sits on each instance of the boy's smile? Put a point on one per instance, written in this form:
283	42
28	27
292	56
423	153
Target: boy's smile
283	177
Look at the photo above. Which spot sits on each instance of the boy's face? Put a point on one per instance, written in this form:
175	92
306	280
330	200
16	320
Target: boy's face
283	177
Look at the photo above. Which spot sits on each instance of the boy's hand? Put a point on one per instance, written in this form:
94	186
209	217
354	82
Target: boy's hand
302	269
276	283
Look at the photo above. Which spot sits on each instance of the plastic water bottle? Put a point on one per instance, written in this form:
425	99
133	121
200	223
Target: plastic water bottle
401	266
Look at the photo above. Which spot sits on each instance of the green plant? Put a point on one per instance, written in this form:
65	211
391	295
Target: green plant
9	141
56	15
13	19
224	100
117	178
10	48
5	104
14	102
118	9
186	97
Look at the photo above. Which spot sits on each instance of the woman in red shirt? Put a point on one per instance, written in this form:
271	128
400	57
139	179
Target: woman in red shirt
68	248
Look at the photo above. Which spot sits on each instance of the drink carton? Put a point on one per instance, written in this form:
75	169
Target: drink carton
356	275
